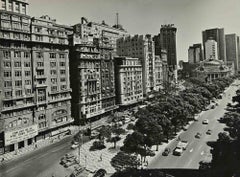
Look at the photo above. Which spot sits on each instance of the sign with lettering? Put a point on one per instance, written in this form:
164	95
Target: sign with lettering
15	136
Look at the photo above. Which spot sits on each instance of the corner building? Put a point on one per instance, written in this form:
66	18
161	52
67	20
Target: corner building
29	109
141	47
128	77
93	47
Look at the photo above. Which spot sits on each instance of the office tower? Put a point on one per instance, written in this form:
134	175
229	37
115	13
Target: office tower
128	78
232	50
218	35
168	42
195	53
211	49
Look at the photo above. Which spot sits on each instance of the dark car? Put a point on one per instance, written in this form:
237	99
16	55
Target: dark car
198	135
166	152
100	173
209	132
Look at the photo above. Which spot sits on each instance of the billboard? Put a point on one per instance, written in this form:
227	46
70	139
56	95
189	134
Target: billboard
15	136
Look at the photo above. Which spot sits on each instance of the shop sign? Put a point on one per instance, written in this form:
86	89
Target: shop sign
15	136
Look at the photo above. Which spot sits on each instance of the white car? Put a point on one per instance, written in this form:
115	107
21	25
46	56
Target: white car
205	121
75	145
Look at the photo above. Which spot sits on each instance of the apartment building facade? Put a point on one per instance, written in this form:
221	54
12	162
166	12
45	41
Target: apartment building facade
102	39
128	78
26	104
142	47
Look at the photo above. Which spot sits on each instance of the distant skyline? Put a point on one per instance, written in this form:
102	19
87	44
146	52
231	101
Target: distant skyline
190	17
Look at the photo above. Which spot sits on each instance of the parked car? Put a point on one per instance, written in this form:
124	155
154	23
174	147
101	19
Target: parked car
77	172
209	132
166	152
205	121
94	134
70	163
100	173
198	135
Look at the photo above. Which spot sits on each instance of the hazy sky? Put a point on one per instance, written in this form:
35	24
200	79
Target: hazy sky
190	17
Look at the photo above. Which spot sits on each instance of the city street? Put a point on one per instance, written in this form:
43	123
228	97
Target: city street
197	149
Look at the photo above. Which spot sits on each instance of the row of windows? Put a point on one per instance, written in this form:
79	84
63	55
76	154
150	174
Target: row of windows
18	93
12	7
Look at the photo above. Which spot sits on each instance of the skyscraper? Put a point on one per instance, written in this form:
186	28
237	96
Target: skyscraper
232	50
218	35
168	42
211	49
195	53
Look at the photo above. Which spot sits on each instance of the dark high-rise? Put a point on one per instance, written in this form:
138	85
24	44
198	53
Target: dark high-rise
167	39
216	34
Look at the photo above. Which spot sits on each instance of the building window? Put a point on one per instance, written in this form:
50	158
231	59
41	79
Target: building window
53	64
16	25
7	64
27	64
17	6
17	54
40	64
7	84
63	87
38	38
53	72
7	74
62	63
52	55
63	79
28	91
18	83
10	5
62	72
18	73
61	55
27	73
39	55
6	24
18	93
26	55
27	82
8	94
17	64
6	54
4	4
53	80
54	88
24	9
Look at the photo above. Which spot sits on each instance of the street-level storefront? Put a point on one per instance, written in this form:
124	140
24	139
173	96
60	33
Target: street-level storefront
20	138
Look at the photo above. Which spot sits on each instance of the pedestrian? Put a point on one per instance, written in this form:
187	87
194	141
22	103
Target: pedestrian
101	157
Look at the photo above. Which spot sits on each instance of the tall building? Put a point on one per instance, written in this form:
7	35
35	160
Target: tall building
32	107
168	42
51	82
16	89
218	35
141	47
232	50
158	72
195	53
211	49
128	78
93	50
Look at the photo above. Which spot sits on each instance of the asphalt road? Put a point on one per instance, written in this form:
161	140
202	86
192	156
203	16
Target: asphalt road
197	149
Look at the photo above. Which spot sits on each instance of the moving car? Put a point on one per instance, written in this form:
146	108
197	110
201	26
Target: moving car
74	145
198	135
100	173
209	132
178	151
166	152
205	121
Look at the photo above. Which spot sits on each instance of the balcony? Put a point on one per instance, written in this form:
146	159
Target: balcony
40	77
15	107
60	99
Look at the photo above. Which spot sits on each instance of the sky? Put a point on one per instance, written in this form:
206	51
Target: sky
190	17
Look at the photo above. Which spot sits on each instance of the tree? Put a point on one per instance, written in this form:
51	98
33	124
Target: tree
123	161
104	132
